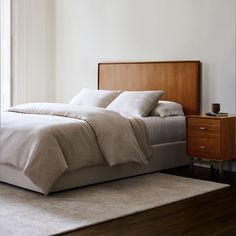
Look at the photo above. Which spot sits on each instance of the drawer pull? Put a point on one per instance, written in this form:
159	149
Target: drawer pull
202	147
202	128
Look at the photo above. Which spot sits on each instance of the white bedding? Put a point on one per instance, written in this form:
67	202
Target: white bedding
165	130
45	140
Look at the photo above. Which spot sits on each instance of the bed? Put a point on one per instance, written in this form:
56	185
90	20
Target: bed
179	80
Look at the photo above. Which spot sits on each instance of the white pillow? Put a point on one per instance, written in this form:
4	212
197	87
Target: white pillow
96	98
167	108
135	103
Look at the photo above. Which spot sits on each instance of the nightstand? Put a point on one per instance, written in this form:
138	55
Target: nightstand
211	139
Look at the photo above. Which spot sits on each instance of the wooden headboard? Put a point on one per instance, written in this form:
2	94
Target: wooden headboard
179	79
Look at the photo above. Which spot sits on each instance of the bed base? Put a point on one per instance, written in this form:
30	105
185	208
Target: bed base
164	156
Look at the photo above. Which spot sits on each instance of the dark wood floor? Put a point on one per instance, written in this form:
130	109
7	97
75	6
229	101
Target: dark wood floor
209	214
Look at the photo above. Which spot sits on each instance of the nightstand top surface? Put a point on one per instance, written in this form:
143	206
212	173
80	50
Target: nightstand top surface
212	117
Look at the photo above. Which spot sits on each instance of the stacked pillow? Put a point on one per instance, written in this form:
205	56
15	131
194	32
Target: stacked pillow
167	108
129	103
135	103
96	98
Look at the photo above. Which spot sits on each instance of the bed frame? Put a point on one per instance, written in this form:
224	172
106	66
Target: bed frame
181	82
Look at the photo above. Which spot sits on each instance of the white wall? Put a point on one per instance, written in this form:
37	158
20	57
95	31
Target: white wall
57	44
33	51
88	32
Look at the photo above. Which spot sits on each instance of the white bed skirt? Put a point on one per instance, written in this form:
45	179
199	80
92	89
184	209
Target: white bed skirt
164	156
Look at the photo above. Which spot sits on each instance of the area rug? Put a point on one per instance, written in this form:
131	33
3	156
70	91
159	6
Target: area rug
24	212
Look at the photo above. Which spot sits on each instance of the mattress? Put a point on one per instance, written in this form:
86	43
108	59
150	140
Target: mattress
165	130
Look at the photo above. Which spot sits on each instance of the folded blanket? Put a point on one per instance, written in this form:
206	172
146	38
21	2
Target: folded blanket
46	139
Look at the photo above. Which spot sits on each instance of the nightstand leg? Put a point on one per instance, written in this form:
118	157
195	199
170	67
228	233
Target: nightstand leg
212	167
221	168
191	165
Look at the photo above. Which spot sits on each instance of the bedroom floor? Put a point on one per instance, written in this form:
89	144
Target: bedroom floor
213	213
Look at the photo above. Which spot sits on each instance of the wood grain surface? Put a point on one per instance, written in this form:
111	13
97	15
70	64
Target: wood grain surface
179	79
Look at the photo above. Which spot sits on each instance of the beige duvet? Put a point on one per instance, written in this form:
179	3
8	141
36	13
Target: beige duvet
46	139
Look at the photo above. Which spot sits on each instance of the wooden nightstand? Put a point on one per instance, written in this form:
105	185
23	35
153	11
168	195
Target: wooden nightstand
211	139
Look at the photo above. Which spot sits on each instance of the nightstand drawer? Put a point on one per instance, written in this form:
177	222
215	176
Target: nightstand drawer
202	147
203	127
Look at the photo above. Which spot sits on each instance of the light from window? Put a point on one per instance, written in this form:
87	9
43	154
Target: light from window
5	54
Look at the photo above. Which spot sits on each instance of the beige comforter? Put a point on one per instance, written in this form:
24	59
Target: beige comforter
46	139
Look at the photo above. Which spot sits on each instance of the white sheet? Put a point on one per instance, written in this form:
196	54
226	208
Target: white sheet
165	130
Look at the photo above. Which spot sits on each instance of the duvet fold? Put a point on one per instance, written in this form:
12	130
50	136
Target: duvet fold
46	139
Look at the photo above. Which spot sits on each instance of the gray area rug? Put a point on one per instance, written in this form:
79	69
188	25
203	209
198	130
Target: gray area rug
24	212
